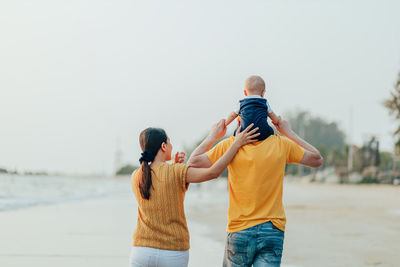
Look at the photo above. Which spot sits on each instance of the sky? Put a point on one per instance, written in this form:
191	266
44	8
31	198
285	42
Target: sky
81	79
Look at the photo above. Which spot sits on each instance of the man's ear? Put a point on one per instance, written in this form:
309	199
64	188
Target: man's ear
245	92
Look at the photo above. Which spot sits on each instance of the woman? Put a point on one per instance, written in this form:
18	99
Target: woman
161	237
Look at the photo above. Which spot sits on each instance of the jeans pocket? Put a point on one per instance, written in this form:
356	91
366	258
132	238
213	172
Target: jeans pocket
278	252
270	255
236	249
271	248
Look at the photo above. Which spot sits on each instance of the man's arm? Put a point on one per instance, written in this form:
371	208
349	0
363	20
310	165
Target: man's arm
230	118
198	175
312	157
198	158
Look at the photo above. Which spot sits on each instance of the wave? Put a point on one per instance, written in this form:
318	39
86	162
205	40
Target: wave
26	191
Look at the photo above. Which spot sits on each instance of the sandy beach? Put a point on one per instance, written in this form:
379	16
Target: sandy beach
328	225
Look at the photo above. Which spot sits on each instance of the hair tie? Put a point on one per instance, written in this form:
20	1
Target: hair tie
147	156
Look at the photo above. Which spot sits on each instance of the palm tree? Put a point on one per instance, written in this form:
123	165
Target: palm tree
393	105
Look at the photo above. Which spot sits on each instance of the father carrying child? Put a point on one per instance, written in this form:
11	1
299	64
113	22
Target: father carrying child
256	216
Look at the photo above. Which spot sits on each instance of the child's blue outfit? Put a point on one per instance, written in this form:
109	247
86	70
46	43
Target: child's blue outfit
255	109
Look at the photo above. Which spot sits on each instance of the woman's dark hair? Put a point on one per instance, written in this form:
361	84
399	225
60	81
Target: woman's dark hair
150	141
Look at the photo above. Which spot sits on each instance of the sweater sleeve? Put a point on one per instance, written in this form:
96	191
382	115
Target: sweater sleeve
180	170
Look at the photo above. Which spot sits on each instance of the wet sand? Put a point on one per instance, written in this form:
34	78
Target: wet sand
328	225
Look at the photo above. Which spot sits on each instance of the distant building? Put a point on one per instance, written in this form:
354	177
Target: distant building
370	153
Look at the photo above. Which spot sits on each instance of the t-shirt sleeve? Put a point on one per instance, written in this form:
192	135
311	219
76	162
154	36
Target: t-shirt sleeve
294	152
237	108
180	170
269	109
217	151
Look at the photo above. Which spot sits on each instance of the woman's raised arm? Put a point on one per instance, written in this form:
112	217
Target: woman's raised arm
198	175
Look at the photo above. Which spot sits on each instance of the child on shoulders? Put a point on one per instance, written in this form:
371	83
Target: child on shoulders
254	108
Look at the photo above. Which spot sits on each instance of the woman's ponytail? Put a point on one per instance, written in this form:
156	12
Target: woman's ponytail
150	141
145	182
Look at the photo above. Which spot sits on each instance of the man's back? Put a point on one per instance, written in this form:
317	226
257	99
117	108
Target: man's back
256	216
255	181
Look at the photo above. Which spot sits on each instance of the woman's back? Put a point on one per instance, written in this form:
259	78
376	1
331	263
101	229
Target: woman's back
161	220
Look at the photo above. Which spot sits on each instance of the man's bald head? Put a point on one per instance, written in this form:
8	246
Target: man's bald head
254	85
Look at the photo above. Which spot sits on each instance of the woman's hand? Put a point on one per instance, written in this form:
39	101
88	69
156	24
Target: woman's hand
179	157
247	136
198	175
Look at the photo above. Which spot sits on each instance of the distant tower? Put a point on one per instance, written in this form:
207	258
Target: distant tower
118	157
350	140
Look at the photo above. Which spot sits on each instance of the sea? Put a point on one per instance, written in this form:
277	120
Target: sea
20	191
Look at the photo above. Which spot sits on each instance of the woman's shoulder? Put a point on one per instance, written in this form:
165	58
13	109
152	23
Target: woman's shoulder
172	169
135	171
172	166
135	174
178	165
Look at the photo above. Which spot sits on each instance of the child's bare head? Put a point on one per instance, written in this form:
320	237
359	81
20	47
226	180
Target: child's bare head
254	85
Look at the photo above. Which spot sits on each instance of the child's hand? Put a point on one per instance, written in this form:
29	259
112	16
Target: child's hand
276	123
179	157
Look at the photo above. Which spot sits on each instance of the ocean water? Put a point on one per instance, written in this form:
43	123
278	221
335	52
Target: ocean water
17	191
25	191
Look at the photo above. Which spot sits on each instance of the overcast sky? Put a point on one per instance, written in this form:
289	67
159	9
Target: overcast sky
76	76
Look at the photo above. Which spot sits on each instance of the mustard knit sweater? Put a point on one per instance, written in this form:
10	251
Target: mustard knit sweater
161	221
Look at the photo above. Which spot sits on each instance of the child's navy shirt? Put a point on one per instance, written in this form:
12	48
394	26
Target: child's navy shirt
255	109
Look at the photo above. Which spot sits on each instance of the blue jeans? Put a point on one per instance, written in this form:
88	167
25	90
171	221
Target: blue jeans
260	246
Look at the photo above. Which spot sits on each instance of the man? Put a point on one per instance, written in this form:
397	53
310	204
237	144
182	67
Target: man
256	217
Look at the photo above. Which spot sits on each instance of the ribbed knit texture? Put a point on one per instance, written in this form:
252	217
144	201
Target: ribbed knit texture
161	221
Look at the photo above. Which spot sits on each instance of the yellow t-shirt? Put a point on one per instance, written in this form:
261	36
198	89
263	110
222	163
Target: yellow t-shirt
161	221
256	180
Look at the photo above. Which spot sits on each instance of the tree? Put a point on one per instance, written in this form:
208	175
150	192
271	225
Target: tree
386	161
325	136
316	130
126	169
393	105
